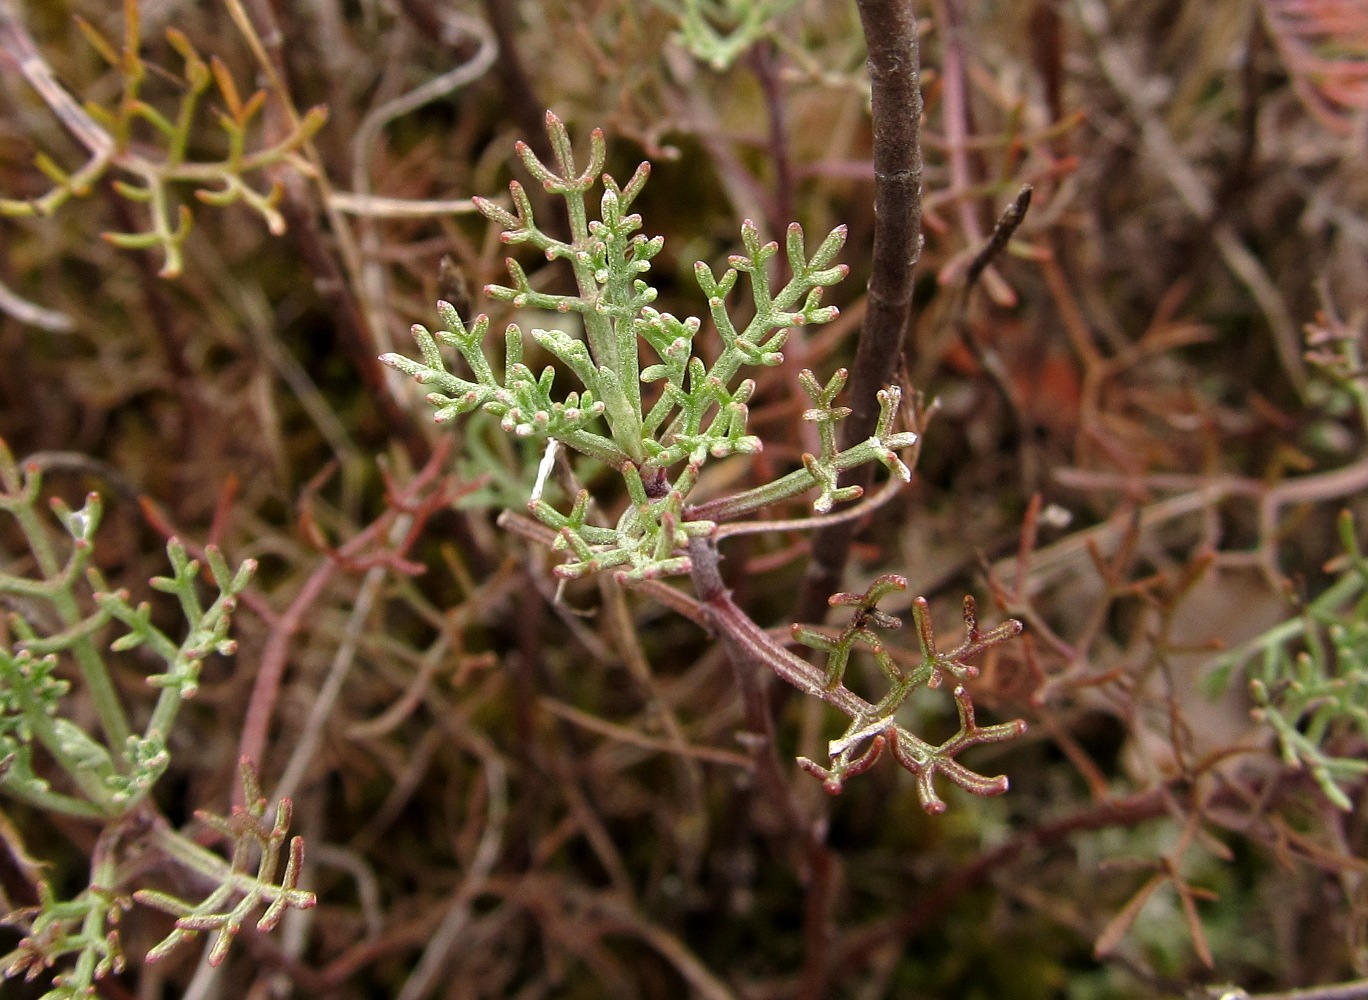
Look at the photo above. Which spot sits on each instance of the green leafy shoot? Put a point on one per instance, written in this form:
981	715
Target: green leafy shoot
699	411
1308	677
55	646
85	927
65	608
241	891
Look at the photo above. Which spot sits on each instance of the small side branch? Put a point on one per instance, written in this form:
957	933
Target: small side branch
18	51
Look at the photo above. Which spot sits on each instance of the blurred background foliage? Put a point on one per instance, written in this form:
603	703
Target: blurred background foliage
514	790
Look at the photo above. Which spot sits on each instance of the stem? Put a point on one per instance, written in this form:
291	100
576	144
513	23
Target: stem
797	481
59	804
763	60
753	643
746	667
190	855
749	651
94	672
890	29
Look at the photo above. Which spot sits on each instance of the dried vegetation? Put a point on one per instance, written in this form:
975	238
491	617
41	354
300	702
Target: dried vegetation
1144	423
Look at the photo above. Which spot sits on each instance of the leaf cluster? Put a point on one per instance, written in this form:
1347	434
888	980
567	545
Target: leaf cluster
54	645
240	891
718	32
65	607
700	410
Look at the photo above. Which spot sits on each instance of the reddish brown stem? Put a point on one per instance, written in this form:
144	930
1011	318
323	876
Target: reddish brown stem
750	651
890	29
764	62
275	655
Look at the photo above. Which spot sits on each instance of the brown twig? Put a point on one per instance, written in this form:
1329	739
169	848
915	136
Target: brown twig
890	29
744	640
1007	224
1199	492
988	358
763	60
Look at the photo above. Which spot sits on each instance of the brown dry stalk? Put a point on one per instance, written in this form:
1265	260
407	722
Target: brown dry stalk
890	28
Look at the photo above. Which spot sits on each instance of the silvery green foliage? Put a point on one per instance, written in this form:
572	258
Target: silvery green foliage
718	32
65	607
1308	678
63	622
657	439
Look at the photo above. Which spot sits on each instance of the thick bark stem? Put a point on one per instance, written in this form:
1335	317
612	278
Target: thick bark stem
890	29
